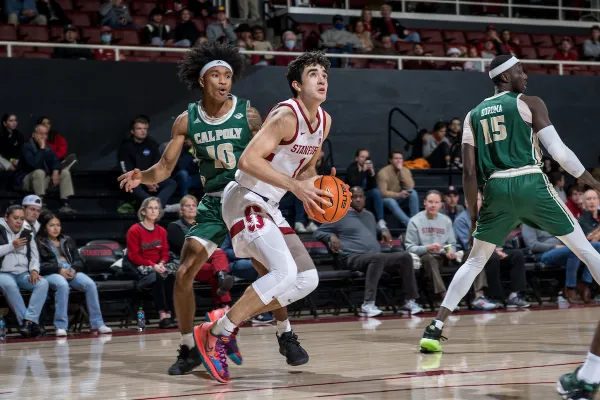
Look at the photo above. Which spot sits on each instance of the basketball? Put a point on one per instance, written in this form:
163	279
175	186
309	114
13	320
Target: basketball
340	199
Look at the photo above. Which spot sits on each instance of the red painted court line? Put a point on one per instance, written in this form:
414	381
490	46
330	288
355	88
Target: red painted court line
325	320
436	387
406	375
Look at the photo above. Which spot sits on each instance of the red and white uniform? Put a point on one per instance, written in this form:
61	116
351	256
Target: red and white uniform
248	201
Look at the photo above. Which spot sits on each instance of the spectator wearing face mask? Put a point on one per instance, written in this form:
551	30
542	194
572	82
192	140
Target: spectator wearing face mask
338	40
289	45
105	38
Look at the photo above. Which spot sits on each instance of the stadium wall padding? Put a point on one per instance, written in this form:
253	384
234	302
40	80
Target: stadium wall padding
92	103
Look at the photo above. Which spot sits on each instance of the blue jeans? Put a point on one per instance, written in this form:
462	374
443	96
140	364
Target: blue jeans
81	282
165	190
244	269
185	182
290	204
376	199
564	256
395	206
11	284
335	61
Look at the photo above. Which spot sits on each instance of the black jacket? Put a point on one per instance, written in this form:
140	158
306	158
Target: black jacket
33	158
354	177
587	222
176	232
53	9
381	27
152	30
48	262
138	155
187	30
11	147
71	53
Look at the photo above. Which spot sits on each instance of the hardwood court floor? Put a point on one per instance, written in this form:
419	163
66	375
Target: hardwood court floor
509	356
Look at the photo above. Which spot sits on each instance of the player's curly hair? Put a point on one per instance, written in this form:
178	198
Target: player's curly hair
194	60
307	59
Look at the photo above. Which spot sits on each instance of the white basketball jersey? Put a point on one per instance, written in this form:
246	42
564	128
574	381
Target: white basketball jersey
290	156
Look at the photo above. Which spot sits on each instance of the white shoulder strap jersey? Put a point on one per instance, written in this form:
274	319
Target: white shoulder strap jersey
290	156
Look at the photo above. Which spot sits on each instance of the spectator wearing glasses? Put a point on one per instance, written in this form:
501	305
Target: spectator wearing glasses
19	270
397	186
61	266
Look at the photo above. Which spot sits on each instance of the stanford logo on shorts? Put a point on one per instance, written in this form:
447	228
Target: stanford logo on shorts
254	221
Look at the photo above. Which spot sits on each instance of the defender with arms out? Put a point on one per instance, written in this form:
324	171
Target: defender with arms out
500	147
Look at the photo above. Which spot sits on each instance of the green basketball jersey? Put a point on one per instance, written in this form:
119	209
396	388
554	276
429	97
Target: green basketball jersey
219	144
503	139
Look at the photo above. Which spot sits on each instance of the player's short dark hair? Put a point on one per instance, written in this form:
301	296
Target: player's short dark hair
395	151
307	59
198	56
357	153
140	119
497	61
439	125
555	177
434	192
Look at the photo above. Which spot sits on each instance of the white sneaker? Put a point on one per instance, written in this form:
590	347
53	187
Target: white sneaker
381	224
312	227
370	310
483	304
413	307
299	227
104	330
61	332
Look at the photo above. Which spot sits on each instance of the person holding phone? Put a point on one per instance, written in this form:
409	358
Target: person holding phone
60	264
19	270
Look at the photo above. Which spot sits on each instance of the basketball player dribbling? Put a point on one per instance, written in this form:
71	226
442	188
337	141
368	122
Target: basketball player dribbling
500	147
220	127
280	158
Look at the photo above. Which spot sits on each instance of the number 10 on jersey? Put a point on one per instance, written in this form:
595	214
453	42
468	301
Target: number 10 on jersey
498	129
223	156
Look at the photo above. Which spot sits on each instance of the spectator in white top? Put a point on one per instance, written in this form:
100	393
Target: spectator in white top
591	47
338	40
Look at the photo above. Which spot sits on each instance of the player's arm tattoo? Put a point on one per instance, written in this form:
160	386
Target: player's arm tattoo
254	120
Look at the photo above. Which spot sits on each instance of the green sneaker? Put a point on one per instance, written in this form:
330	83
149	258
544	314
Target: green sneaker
571	388
430	343
126	208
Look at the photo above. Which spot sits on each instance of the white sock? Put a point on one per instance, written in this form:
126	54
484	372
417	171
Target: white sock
283	327
223	327
187	340
438	324
590	372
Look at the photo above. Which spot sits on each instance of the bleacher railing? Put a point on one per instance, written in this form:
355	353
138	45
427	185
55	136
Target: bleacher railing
507	11
562	66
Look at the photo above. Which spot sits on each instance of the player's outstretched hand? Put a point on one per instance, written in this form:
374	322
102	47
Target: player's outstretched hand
130	180
308	194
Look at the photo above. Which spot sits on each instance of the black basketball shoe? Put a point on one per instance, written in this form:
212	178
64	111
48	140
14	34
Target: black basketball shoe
187	361
290	348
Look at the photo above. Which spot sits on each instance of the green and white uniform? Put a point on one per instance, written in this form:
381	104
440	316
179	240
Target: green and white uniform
509	164
218	145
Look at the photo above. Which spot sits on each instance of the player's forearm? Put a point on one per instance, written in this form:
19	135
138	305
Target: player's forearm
261	169
156	174
589	180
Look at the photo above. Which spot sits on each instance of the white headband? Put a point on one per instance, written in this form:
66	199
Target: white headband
215	63
503	67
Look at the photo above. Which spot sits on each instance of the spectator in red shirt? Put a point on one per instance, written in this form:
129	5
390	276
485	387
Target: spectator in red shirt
575	200
367	18
148	253
106	38
564	52
289	45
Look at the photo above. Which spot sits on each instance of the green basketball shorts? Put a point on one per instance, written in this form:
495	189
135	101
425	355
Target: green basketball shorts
209	222
529	199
